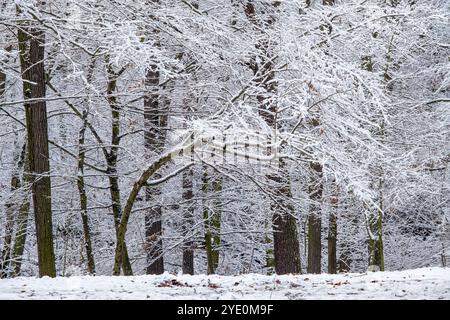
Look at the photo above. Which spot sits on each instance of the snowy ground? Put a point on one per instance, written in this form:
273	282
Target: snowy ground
427	283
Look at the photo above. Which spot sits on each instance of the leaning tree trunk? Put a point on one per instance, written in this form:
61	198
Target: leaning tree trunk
33	74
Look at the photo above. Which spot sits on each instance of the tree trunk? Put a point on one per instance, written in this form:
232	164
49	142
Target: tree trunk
155	115
21	233
314	219
332	235
286	246
12	207
22	220
285	236
123	225
212	221
83	199
112	161
2	83
215	222
37	130
155	123
153	233
188	222
375	241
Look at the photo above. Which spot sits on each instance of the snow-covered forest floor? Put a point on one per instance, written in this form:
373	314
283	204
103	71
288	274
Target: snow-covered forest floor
425	283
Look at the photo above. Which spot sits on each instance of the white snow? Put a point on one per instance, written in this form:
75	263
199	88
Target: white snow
425	283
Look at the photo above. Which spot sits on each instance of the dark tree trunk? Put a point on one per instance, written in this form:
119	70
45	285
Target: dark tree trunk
315	220
188	221
22	220
212	219
285	236
155	123
286	246
153	232
83	199
12	208
37	130
21	233
155	115
332	235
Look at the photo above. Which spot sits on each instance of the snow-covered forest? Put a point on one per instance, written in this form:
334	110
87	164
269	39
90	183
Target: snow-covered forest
223	136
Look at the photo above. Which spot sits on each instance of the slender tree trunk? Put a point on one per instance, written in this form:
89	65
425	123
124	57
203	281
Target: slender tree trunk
332	235
13	208
315	213
10	209
375	241
315	220
215	222
188	221
112	161
212	221
375	220
22	220
25	65
2	83
155	115
37	130
83	199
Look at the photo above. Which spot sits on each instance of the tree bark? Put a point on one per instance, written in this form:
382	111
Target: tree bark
314	219
285	235
22	220
123	224
37	130
12	207
155	115
83	199
375	220
212	220
112	159
188	222
286	246
332	235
